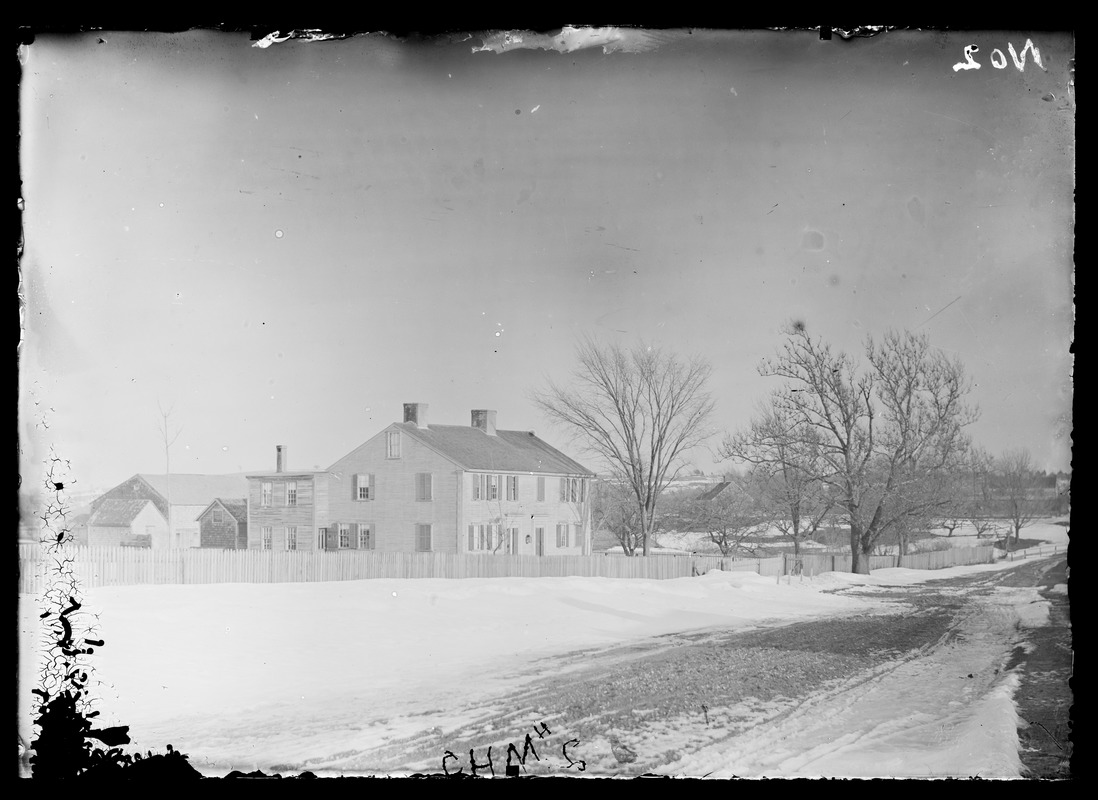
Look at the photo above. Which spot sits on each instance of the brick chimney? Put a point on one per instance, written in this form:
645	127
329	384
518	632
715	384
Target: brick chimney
416	413
280	458
485	420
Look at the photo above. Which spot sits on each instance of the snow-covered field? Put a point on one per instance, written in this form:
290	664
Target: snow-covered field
247	676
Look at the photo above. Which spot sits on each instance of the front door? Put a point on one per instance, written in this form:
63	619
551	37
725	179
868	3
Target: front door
539	540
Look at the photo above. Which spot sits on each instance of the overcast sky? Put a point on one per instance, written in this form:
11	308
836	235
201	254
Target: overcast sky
286	243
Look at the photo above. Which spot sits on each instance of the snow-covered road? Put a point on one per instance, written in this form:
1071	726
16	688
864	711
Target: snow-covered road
941	710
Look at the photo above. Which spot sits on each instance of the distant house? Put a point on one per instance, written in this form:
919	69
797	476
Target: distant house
224	524
127	523
419	487
190	495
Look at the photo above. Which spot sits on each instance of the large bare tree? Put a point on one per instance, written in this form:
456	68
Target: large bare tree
884	433
638	411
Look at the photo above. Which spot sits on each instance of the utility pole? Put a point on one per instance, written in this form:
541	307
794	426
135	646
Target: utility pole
169	440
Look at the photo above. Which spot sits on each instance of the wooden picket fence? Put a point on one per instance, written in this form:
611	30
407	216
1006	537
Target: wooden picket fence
126	566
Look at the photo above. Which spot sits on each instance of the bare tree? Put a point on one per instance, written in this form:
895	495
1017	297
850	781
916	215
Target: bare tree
730	515
169	440
1016	486
786	470
614	509
885	434
638	411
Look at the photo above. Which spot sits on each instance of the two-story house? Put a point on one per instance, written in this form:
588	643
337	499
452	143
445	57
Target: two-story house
420	487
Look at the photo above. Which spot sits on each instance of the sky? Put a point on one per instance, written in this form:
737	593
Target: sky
283	244
270	708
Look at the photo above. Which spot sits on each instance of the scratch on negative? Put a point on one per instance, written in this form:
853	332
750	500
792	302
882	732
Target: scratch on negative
940	310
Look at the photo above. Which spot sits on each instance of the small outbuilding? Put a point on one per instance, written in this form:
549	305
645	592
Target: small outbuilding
127	523
224	524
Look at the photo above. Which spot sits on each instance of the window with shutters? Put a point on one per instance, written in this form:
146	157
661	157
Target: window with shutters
424	482
478	487
365	537
423	538
321	538
514	540
541	490
392	440
493	487
564	490
364	487
344	536
265	493
291	493
267	535
512	487
573	490
291	538
562	534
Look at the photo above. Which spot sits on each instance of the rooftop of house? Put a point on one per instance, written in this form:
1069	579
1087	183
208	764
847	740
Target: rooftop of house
117	513
506	451
237	508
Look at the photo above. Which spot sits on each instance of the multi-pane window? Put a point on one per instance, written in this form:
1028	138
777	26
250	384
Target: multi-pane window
562	534
423	486
423	538
392	442
541	490
267	537
344	536
572	490
491	487
291	493
364	487
265	493
291	538
321	538
365	537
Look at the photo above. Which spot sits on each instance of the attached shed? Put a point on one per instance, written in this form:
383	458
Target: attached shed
127	523
224	524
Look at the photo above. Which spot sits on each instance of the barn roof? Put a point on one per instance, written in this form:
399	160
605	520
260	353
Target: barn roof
197	490
506	451
117	513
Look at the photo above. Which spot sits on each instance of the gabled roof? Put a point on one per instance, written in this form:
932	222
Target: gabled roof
713	491
118	513
507	451
237	508
197	490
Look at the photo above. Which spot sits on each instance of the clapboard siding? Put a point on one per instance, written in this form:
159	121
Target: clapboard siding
395	511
